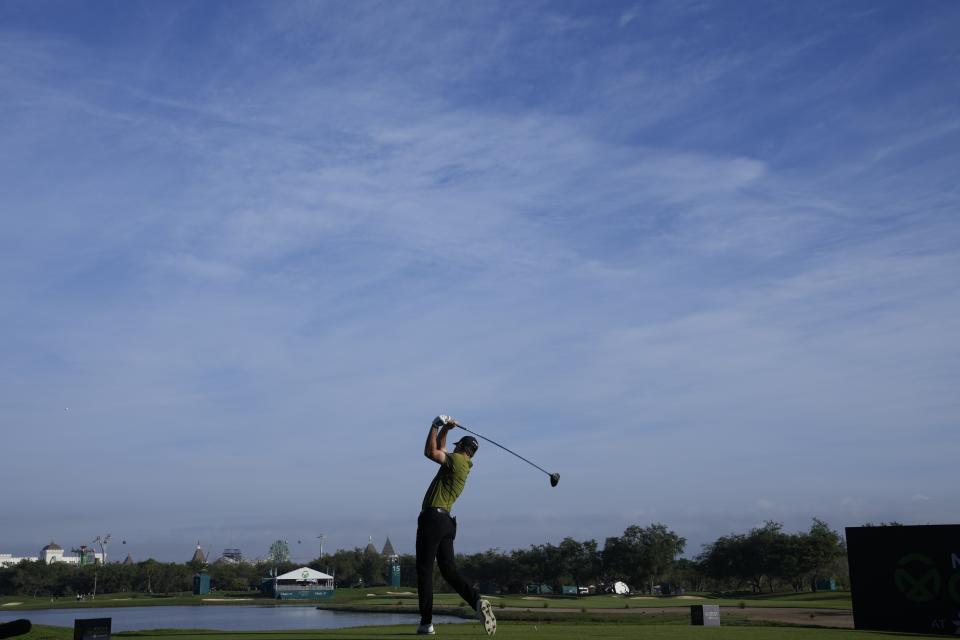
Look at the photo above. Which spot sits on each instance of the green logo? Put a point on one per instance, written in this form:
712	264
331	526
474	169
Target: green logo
953	586
917	578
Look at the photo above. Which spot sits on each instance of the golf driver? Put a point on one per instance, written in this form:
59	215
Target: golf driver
554	477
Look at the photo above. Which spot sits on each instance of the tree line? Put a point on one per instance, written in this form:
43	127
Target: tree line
767	557
647	558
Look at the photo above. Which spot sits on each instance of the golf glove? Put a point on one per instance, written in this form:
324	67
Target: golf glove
441	421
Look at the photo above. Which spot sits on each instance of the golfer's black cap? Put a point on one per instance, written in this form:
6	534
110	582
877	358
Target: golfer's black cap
469	443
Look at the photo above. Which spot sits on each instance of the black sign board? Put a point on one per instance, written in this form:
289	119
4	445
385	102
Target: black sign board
92	628
707	615
905	578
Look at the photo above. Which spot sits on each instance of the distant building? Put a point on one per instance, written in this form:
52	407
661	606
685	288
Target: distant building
393	563
198	555
9	560
388	551
128	559
54	553
232	555
86	555
300	584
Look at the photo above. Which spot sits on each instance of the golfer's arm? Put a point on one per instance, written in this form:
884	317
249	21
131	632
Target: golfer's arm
436	445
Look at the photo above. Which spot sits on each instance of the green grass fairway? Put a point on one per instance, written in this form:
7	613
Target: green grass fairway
823	600
505	631
405	597
25	603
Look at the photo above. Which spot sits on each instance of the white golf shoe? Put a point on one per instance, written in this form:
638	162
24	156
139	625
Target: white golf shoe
426	630
485	615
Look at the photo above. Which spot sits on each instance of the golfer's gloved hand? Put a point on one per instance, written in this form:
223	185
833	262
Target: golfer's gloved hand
442	421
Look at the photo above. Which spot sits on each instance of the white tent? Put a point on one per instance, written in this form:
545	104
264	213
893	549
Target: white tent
304	574
300	584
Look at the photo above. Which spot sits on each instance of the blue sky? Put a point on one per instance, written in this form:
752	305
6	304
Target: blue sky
699	258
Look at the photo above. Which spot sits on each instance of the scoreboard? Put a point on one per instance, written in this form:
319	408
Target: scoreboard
905	578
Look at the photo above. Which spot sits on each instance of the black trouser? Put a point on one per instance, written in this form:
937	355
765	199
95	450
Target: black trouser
435	533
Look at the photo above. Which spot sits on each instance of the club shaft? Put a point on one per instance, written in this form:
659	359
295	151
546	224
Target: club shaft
505	449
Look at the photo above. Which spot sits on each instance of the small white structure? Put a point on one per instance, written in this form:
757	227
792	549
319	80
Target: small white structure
300	584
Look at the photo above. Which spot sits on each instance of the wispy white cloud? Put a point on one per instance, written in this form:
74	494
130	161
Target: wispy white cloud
195	267
629	16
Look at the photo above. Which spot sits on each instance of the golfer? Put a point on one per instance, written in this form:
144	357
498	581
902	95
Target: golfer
436	528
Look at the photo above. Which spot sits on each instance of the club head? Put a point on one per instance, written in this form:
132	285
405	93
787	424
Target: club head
554	479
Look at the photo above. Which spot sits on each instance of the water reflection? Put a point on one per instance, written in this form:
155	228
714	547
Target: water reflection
222	618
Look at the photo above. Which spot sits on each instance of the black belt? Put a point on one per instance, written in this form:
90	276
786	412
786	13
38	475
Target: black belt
438	510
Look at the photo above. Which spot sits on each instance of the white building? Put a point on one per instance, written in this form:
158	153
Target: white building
8	560
54	553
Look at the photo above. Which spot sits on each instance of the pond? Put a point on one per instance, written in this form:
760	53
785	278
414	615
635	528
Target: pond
222	618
